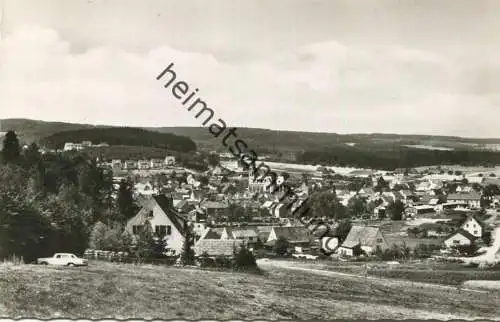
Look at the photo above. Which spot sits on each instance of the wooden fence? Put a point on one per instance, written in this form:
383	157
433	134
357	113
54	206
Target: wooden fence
124	257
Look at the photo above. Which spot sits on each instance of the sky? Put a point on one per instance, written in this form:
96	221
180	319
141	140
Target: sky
409	67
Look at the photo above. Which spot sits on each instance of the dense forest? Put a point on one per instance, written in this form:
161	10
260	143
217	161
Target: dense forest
121	136
390	158
51	203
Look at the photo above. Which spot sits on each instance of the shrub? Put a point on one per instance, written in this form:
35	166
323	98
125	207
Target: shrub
281	246
245	260
223	262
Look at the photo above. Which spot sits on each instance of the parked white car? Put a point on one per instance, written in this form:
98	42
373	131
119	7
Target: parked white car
63	259
306	256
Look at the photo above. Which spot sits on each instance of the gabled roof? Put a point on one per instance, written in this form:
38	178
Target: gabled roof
477	220
217	247
214	204
293	234
464	196
212	233
464	233
235	232
167	208
363	235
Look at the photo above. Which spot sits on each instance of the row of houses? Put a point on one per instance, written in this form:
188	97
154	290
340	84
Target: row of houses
70	146
144	164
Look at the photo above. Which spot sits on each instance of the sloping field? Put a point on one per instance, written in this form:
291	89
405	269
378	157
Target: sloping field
127	291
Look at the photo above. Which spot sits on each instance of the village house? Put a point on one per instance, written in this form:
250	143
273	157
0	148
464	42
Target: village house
117	164
473	227
160	213
263	233
169	160
365	238
69	146
459	238
416	210
145	189
216	247
157	163
296	236
215	209
249	235
471	199
130	165
143	164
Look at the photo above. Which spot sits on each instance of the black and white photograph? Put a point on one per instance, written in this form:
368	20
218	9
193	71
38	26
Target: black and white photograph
250	160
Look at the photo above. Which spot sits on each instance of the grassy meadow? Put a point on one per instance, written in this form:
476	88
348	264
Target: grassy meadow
127	291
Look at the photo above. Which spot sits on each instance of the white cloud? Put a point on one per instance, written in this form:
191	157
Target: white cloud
323	86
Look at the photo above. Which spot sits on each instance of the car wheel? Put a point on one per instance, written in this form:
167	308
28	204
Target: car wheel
44	263
71	265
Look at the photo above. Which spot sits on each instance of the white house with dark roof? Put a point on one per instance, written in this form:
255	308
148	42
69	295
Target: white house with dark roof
473	227
459	238
471	199
160	213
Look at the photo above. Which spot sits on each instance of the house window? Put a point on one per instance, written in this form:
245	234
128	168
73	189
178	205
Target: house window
161	230
169	230
136	229
475	232
456	241
467	225
379	240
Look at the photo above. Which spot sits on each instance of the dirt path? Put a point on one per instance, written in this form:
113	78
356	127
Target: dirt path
384	281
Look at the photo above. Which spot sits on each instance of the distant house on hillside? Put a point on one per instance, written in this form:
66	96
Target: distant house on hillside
364	238
69	146
144	164
117	164
157	163
130	165
169	160
159	211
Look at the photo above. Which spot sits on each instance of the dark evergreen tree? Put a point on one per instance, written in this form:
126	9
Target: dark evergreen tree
396	210
281	246
145	243
11	149
245	260
32	156
343	230
188	256
125	201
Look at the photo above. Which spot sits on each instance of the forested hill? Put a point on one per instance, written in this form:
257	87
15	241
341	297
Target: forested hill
127	136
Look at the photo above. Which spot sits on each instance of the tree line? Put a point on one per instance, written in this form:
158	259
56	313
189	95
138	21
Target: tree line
121	136
393	157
